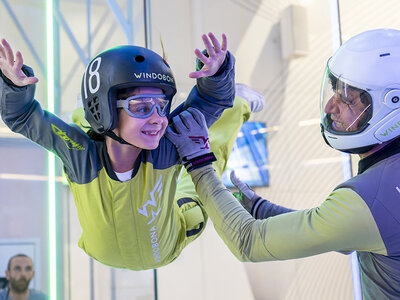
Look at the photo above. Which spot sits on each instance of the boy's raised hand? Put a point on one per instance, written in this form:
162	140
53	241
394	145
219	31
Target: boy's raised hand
216	56
11	68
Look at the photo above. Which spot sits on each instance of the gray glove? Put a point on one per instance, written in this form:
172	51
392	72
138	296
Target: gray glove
258	207
247	197
191	138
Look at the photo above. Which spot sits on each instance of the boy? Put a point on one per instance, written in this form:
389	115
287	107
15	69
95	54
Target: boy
123	173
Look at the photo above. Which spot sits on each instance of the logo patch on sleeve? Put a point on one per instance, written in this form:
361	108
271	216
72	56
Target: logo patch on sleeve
67	140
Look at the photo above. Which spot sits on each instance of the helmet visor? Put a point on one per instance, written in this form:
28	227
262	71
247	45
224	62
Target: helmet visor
345	109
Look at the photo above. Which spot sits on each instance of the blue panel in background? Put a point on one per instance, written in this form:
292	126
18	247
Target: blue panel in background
249	156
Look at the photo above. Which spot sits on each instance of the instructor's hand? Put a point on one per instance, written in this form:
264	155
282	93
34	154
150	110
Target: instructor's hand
246	195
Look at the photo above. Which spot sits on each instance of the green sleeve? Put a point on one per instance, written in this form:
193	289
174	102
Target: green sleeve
343	222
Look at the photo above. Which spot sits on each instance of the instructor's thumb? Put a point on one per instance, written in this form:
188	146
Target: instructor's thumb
237	182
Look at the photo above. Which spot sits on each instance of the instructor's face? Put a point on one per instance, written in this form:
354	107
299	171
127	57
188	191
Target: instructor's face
345	111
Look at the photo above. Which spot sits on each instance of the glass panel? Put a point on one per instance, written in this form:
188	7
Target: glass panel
26	219
23	164
87	28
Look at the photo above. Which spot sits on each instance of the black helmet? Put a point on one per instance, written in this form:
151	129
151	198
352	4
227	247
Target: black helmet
117	68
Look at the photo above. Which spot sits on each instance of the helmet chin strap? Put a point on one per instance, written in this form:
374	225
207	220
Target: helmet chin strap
115	137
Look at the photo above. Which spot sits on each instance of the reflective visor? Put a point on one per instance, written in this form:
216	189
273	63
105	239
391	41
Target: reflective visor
143	106
344	108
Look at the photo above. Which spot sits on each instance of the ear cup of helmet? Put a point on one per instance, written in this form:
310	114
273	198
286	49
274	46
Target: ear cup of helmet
390	124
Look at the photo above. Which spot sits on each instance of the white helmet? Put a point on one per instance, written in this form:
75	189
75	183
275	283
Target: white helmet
361	91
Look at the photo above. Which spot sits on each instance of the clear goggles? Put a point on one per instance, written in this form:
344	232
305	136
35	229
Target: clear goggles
345	109
143	106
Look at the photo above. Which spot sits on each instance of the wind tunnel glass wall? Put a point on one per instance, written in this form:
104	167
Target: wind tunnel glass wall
87	28
81	30
23	164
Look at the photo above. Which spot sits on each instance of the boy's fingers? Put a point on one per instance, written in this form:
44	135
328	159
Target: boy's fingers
194	74
209	47
186	116
201	56
224	46
2	52
170	134
29	80
215	42
197	116
19	61
8	51
178	124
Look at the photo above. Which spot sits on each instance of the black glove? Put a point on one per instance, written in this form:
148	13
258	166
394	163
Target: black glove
191	139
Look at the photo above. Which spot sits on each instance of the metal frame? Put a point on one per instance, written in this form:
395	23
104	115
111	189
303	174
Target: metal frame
24	36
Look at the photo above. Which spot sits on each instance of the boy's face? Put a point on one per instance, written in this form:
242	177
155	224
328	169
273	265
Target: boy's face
142	133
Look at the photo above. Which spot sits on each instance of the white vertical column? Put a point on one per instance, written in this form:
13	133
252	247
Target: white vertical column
346	162
51	157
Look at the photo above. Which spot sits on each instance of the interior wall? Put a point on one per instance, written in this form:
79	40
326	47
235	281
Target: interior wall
23	165
23	186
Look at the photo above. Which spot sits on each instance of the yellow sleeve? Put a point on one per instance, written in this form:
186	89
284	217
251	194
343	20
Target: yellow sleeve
343	222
